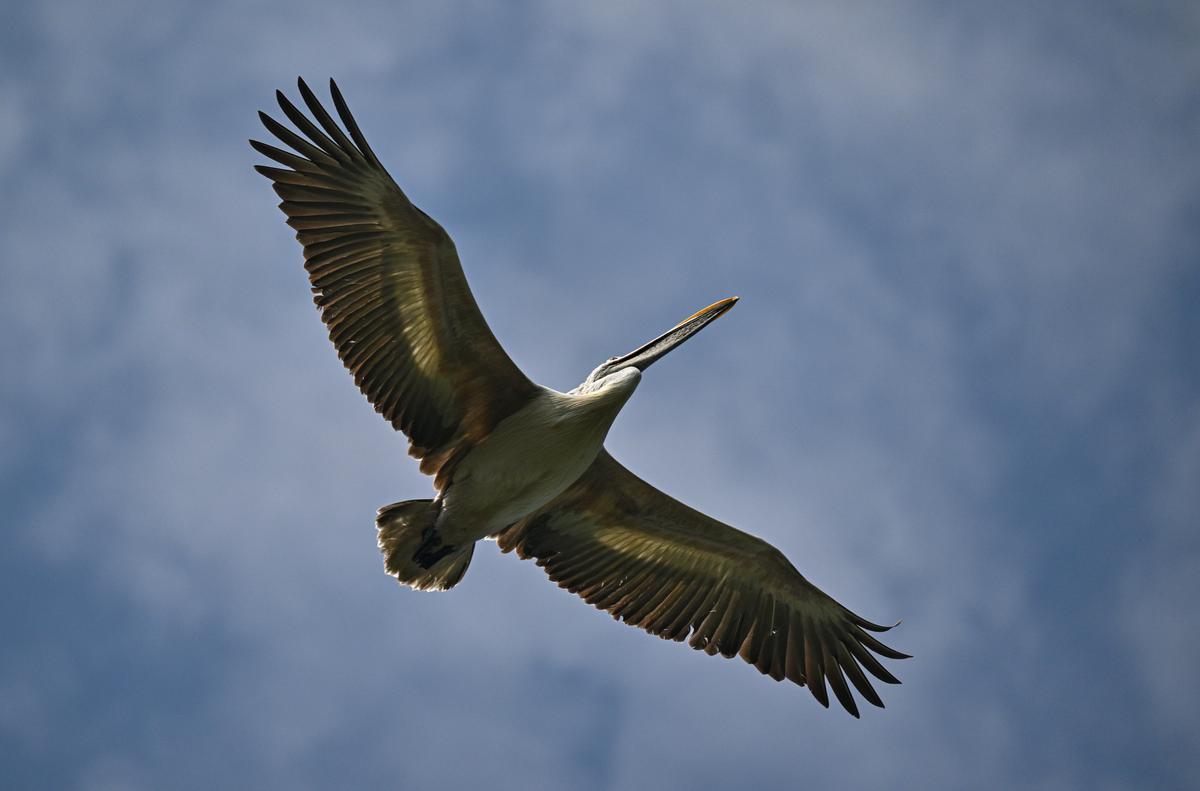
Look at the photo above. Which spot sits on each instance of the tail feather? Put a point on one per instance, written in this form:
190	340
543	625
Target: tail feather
413	551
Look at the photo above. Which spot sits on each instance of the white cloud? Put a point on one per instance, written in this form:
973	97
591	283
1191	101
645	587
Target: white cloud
858	176
1161	583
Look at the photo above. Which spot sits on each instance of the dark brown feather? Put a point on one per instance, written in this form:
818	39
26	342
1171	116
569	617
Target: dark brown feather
652	562
389	286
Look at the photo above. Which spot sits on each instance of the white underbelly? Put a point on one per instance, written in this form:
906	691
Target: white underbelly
531	458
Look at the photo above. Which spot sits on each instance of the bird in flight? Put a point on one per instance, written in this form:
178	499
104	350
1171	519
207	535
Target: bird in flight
521	463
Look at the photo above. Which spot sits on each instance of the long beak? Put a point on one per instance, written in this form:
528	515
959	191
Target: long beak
643	356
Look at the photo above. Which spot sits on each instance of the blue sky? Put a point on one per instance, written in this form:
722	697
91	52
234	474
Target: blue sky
960	389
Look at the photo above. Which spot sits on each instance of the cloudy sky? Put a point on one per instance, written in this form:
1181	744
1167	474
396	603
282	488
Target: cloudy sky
961	388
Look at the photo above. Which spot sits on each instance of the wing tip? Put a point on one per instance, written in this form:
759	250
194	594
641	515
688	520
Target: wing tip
870	625
305	92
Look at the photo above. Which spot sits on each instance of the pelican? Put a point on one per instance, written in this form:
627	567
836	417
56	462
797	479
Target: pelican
521	463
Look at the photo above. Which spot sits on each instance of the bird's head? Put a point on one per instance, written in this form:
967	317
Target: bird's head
630	366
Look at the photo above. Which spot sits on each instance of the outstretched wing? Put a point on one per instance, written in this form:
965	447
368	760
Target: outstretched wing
653	562
390	288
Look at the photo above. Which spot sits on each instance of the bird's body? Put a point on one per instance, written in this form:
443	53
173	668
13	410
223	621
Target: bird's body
523	463
530	458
